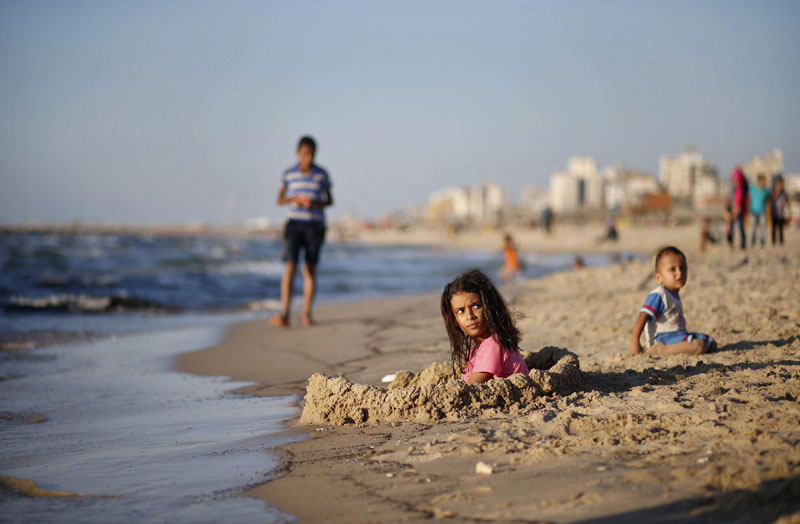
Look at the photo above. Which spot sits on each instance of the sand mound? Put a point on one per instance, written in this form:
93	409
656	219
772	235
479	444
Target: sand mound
435	394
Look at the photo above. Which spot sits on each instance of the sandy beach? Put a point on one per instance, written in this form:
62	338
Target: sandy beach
710	438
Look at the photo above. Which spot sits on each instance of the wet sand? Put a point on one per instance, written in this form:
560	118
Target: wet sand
709	438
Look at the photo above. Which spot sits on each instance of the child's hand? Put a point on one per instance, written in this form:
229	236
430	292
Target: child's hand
634	347
303	201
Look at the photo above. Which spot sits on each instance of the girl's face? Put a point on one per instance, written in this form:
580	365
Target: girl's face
469	312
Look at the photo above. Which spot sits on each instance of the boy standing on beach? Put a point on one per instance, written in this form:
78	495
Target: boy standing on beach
663	312
306	188
758	207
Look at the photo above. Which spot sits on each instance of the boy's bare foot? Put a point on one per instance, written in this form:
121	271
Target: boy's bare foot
279	320
308	321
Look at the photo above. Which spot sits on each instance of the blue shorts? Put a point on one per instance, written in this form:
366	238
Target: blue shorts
683	336
307	236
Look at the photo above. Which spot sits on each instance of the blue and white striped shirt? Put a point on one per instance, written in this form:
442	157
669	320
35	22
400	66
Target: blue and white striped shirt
314	184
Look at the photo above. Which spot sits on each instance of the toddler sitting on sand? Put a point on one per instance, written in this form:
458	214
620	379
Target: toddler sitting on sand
483	337
663	312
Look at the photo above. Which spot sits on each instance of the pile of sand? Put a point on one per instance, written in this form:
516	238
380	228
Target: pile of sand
436	394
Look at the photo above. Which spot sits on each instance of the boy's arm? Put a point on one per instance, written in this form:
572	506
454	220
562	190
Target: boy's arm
634	346
319	204
282	198
301	201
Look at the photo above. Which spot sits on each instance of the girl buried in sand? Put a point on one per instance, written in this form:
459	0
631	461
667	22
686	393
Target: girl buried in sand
483	338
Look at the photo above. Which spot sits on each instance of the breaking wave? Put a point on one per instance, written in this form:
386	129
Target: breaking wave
80	303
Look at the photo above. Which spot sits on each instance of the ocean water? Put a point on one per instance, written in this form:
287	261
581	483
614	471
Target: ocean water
110	418
92	284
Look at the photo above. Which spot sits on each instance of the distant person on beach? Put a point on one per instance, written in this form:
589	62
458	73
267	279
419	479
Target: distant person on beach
512	267
547	219
306	188
662	312
484	340
610	234
779	210
759	196
611	230
729	220
706	234
741	202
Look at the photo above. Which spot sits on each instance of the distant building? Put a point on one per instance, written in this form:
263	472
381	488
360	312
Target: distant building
258	223
680	174
534	200
578	188
565	192
707	192
478	204
791	184
447	205
625	187
769	164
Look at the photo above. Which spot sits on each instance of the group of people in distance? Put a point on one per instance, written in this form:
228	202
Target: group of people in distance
756	202
484	338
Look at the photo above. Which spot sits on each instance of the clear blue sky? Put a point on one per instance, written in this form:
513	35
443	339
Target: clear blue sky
154	111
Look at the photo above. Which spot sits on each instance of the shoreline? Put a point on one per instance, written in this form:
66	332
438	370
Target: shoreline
168	431
547	466
566	236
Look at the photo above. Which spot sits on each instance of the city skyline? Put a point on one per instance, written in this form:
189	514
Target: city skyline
685	182
189	112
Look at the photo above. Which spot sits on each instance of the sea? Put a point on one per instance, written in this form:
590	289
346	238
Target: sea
91	403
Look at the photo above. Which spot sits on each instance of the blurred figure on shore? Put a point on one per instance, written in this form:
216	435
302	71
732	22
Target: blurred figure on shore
741	202
512	266
610	234
578	263
547	219
706	234
611	229
779	210
306	188
759	196
729	219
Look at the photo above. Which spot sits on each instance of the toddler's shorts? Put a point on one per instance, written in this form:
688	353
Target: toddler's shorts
683	336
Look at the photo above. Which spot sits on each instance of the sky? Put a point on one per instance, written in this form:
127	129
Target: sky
154	112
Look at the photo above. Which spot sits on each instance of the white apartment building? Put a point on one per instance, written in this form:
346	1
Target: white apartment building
479	204
580	187
494	201
625	187
564	192
679	174
534	199
791	184
446	205
769	164
706	191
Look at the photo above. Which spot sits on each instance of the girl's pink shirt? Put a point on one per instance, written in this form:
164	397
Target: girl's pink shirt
491	357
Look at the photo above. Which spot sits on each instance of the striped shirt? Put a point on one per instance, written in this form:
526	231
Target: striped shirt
665	310
314	184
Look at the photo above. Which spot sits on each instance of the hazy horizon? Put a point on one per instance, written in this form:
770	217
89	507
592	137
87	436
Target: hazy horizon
153	112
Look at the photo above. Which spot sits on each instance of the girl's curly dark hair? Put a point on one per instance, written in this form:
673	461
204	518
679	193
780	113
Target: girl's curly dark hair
501	323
